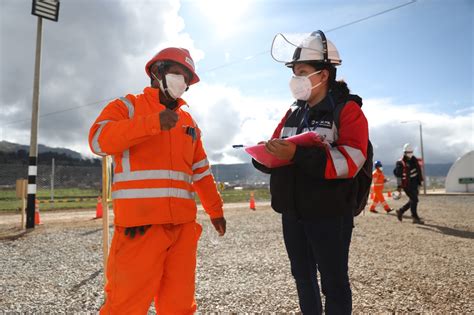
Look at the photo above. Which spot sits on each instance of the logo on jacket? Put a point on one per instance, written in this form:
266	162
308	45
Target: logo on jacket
322	123
190	131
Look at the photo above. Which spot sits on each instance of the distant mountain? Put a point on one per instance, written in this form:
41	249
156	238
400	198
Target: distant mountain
437	170
232	173
10	147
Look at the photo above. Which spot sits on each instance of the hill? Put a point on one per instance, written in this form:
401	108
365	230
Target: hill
10	147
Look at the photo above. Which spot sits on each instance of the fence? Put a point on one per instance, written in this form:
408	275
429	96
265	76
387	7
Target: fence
71	186
58	186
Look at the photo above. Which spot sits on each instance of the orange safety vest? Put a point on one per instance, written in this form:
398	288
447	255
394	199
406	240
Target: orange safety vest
156	172
378	179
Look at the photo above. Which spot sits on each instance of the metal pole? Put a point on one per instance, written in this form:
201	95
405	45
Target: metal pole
32	166
52	180
105	211
423	158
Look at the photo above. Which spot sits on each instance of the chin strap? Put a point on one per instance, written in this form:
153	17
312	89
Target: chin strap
163	86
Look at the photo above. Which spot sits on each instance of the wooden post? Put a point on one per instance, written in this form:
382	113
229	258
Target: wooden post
21	193
105	211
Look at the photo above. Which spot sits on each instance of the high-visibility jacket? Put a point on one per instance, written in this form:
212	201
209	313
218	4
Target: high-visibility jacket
156	172
320	182
378	179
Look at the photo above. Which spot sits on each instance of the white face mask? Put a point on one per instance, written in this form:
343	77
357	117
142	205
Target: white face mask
381	168
300	86
176	85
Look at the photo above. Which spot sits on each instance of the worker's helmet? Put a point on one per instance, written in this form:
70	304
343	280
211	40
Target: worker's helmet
396	195
177	55
378	164
311	48
407	148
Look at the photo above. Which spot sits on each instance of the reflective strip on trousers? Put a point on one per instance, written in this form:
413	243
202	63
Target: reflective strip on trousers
152	193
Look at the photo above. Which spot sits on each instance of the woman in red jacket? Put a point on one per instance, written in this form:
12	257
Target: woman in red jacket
316	193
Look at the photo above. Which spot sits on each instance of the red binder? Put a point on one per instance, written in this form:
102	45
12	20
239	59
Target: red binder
306	139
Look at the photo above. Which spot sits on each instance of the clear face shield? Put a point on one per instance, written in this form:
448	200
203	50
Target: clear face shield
299	47
290	47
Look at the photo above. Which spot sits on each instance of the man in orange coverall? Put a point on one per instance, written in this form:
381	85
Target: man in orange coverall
378	181
159	162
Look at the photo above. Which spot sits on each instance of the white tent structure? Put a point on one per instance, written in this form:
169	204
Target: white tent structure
461	174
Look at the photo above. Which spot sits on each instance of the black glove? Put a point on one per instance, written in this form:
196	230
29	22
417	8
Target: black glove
131	231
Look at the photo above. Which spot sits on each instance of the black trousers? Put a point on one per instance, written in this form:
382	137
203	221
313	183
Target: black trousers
412	204
320	246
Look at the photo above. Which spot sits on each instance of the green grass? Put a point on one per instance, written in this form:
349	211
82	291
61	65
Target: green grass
9	202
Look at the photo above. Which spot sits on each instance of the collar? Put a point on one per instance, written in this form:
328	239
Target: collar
153	96
326	105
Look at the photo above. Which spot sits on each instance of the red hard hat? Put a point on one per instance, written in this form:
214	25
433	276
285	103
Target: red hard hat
178	55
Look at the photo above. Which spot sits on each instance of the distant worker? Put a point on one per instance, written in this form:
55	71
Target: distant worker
409	177
378	182
159	161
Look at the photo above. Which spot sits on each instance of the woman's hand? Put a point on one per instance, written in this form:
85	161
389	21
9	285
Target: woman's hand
282	149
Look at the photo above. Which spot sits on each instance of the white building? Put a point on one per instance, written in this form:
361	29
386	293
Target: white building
461	174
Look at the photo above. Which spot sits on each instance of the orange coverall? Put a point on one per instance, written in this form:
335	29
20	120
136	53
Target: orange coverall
378	181
155	176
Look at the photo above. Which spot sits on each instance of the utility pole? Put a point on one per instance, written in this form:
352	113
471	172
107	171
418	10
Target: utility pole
48	9
32	164
52	181
423	158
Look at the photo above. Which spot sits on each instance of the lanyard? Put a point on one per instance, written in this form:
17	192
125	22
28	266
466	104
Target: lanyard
306	117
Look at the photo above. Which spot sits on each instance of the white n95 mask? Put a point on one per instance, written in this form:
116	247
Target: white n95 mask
176	85
300	86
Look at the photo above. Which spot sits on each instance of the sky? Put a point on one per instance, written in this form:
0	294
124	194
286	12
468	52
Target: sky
409	61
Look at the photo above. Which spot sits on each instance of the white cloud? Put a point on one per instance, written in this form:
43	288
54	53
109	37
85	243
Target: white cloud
445	136
227	116
101	53
95	55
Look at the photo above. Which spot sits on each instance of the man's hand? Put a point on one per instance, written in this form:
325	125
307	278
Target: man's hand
219	225
168	119
282	149
132	231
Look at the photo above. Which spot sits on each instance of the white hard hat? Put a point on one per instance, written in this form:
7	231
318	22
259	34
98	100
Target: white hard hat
396	195
312	48
407	148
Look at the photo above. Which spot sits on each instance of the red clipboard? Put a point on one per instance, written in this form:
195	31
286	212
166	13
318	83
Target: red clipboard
258	152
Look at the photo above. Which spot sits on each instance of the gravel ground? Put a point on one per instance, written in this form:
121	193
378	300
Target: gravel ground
394	267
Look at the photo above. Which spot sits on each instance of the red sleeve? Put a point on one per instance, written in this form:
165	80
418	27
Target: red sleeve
346	158
277	132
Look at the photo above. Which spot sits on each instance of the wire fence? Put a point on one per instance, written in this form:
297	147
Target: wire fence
66	186
58	186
